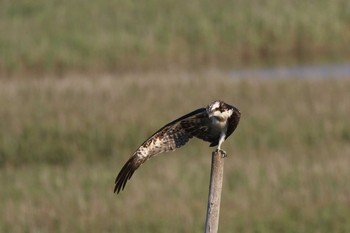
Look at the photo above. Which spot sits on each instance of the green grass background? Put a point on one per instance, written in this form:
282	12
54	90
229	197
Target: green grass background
63	141
84	83
58	36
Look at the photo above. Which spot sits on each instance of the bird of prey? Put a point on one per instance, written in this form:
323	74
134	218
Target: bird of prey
213	124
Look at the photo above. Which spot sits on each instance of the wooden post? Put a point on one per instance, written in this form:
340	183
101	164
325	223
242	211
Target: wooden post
216	177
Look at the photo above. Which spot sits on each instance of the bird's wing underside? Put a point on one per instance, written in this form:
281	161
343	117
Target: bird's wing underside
171	136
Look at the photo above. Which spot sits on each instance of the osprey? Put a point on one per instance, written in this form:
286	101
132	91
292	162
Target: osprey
213	124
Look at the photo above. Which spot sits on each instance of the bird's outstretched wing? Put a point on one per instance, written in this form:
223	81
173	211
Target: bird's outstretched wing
171	136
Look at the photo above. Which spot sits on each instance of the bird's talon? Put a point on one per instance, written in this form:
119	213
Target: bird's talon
222	153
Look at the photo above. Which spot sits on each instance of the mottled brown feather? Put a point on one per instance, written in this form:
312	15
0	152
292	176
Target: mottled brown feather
173	135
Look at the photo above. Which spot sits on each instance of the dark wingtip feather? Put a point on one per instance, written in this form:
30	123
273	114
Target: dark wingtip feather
126	173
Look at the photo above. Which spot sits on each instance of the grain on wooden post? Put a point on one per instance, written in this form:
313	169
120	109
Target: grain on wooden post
216	177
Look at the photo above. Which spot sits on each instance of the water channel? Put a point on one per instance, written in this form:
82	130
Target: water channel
323	71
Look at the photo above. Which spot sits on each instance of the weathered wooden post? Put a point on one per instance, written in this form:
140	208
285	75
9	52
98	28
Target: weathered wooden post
216	177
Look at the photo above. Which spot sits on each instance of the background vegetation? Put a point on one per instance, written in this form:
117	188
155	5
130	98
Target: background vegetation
56	36
84	83
63	141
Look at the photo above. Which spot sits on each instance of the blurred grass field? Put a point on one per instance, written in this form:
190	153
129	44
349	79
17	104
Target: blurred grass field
56	36
84	83
63	141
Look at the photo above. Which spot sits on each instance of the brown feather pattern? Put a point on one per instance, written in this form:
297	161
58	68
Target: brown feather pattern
171	136
176	134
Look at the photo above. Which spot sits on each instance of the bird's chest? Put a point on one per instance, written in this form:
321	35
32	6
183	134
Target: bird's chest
218	126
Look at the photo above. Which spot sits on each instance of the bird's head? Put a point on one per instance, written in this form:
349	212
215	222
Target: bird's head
222	111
